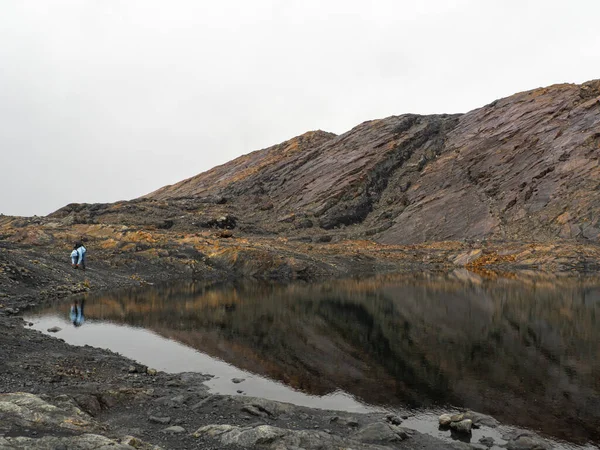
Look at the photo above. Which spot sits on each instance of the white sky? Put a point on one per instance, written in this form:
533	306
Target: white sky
102	100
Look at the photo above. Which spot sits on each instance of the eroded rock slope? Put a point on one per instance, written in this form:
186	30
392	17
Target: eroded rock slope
521	168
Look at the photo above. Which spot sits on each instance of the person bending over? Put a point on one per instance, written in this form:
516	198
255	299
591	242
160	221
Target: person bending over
81	251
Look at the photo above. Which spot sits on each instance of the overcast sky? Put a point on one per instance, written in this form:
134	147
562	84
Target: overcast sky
102	100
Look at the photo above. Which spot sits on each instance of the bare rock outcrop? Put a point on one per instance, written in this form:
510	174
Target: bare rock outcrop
522	168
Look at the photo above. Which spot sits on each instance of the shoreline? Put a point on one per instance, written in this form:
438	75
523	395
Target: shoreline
41	365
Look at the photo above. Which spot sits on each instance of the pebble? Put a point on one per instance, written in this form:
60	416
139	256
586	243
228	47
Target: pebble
54	329
237	380
175	429
163	420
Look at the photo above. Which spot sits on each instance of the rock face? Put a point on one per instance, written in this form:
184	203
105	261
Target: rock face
522	168
269	437
53	425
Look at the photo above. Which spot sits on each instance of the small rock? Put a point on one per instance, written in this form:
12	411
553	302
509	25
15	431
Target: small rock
463	426
162	420
445	420
393	419
344	421
89	403
132	369
255	411
380	432
239	391
132	442
524	440
178	400
11	311
54	329
237	380
151	372
481	419
175	429
487	441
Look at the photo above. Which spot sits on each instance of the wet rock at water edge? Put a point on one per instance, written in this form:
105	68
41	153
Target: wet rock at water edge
393	419
54	329
445	420
237	380
525	440
462	426
380	432
136	368
344	421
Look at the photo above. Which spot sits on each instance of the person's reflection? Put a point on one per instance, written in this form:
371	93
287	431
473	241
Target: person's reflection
76	315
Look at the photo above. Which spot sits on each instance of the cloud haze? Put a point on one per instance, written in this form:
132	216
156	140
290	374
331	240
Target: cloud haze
106	100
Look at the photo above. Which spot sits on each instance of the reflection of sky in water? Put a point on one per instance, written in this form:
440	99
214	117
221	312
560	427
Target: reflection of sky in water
164	354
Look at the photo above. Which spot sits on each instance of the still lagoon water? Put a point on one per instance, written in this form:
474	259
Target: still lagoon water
525	349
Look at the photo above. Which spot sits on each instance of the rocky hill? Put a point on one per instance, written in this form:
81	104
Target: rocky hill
522	168
512	185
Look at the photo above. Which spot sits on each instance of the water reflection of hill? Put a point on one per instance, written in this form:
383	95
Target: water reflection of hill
526	351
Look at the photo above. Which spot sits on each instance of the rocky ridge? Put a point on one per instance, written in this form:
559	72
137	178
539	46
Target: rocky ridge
522	168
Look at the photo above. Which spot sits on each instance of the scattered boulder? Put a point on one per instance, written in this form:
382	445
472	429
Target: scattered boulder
445	420
344	421
161	420
393	419
380	432
257	410
137	368
89	403
224	234
481	419
487	441
462	426
237	380
175	429
525	440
